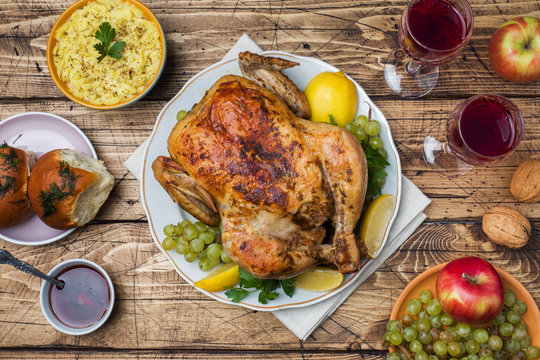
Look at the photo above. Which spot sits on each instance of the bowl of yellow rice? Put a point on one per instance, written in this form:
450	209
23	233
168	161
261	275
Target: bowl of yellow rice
92	71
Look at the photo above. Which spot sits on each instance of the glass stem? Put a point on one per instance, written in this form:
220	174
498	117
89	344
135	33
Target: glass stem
413	67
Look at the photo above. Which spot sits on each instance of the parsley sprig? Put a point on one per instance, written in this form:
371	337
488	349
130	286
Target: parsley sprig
106	35
267	288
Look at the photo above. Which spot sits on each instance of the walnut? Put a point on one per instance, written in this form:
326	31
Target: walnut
525	185
506	226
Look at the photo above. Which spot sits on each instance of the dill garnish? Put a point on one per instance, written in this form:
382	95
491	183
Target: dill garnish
11	159
49	198
8	184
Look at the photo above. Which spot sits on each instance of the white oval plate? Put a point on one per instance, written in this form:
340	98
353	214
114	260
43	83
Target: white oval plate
40	132
161	210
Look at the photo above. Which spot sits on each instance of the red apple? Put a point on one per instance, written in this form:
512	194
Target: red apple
514	49
470	290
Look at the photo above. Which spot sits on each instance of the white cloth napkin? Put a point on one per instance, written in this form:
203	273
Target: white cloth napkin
303	321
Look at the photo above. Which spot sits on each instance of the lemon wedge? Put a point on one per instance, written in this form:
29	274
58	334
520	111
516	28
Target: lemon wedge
319	279
332	93
375	221
220	279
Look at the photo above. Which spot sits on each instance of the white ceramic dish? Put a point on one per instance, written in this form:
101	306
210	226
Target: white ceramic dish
44	300
40	132
161	210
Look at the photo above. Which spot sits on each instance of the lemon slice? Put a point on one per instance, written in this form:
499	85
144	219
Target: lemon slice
319	279
332	93
220	279
374	222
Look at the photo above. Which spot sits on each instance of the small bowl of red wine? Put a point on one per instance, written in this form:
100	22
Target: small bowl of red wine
84	303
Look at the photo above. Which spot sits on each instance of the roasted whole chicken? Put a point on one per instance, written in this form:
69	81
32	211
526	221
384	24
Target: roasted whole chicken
279	184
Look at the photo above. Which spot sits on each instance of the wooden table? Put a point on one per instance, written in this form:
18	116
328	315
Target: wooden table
160	316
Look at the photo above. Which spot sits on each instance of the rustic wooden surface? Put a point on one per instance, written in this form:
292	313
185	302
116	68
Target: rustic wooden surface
159	316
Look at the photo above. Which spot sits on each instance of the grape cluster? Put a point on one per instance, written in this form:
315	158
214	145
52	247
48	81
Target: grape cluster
196	241
426	332
366	131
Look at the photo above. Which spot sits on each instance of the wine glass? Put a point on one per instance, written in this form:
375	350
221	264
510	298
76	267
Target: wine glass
431	33
481	130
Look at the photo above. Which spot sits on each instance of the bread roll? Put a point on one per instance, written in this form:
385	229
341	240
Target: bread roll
66	188
14	170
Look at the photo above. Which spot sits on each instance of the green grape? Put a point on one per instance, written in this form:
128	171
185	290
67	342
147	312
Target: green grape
415	346
214	262
393	356
463	329
169	243
434	307
499	355
424	337
485	351
190	232
486	357
410	333
190	256
402	355
446	336
387	336
532	352
168	230
512	346
454	332
182	246
428	348
360	134
361	120
202	254
181	115
407	319
481	336
207	237
424	296
200	227
376	143
204	265
372	127
447	319
495	342
423	325
196	245
525	342
472	357
423	315
440	348
214	230
520	307
184	223
506	329
519	334
454	349
414	306
351	127
472	347
421	355
393	325
214	251
509	298
435	332
521	325
433	357
395	338
512	317
224	257
500	318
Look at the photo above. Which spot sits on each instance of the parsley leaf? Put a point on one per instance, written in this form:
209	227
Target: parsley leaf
332	121
267	288
106	35
376	174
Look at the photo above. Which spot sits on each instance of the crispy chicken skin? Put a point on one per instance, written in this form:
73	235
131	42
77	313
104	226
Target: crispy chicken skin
275	179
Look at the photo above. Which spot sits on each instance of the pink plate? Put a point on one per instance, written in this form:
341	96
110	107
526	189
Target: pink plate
40	132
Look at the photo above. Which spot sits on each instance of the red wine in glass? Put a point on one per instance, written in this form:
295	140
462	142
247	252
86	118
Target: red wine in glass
484	129
431	33
481	130
436	31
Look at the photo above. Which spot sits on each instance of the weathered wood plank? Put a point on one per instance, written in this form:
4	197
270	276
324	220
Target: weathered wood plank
156	309
354	37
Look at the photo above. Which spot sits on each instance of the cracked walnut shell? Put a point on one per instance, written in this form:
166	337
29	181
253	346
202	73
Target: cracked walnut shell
525	185
506	226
